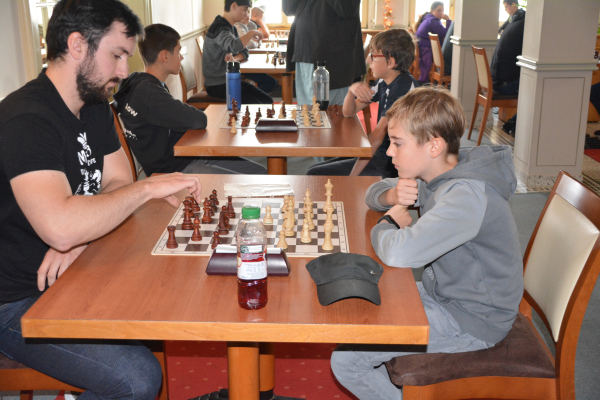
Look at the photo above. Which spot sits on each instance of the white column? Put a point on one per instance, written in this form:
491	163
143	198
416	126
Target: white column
556	73
475	23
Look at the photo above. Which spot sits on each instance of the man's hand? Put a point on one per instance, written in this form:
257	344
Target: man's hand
55	263
401	215
405	193
229	57
257	35
163	186
362	91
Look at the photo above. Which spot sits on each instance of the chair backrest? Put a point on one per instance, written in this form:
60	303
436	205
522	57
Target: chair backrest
126	148
436	50
367	45
484	75
200	43
562	263
187	76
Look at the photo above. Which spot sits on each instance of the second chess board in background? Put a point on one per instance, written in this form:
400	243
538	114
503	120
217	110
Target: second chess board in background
253	108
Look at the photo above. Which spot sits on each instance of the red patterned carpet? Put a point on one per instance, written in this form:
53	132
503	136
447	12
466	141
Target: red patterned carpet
301	370
593	153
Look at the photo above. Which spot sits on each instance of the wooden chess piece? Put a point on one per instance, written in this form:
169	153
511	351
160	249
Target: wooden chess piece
294	114
308	216
266	62
282	244
216	197
225	217
328	193
230	210
233	130
329	220
327	245
195	206
223	230
268	219
171	242
196	236
318	119
216	240
206	219
187	219
289	224
305	238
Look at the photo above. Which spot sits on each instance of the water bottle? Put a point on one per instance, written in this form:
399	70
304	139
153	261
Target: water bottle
321	85
234	84
251	238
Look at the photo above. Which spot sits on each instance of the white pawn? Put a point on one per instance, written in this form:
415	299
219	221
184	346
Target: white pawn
318	119
305	238
327	245
289	224
294	114
268	219
282	244
267	57
233	130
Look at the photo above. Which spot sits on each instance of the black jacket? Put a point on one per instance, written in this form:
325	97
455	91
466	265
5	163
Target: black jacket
504	66
336	38
154	121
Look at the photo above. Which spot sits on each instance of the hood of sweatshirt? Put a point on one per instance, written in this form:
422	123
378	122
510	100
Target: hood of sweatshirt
490	164
217	26
128	85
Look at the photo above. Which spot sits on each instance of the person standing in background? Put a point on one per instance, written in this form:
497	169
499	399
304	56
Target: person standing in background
430	22
326	30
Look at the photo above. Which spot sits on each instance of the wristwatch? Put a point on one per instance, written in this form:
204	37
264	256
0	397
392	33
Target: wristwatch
389	219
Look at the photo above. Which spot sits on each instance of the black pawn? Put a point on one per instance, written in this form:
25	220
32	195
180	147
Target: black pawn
216	240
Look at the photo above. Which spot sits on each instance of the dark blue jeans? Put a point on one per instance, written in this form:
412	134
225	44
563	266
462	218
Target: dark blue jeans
105	369
507	87
265	82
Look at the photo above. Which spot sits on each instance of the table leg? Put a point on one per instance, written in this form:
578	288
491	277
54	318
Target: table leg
287	90
277	165
243	371
267	370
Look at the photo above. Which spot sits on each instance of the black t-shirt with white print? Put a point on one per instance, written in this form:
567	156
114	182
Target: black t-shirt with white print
39	132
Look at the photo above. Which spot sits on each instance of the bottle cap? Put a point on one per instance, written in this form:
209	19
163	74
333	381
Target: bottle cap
321	63
233	66
250	212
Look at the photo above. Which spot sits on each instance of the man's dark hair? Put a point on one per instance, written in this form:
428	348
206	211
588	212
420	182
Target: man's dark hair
510	2
157	37
397	43
92	19
228	3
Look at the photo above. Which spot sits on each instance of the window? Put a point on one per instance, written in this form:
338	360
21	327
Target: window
43	12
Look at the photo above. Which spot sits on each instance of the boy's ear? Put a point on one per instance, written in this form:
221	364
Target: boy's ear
437	147
392	63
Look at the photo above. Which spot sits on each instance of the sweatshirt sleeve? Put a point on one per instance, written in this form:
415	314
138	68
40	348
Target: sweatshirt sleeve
229	43
168	112
454	220
438	28
376	190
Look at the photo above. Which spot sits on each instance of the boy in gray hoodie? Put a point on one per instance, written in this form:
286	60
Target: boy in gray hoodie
466	237
154	121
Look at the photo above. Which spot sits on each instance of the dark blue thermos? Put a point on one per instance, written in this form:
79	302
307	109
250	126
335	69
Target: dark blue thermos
234	84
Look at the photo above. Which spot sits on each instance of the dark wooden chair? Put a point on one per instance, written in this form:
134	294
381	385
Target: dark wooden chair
368	77
438	75
15	376
199	98
414	68
135	170
485	92
561	266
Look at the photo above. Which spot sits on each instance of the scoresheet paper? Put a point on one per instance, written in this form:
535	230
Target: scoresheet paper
261	190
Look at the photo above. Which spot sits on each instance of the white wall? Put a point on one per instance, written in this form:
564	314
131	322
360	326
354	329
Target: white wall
12	73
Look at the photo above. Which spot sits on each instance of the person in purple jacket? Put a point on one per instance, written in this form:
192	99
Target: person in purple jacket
430	22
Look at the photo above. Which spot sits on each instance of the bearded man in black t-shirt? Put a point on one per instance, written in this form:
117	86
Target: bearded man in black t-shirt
60	159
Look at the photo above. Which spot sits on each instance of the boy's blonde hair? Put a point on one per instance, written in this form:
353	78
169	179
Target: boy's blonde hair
430	112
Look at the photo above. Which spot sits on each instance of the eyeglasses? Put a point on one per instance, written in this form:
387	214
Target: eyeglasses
375	56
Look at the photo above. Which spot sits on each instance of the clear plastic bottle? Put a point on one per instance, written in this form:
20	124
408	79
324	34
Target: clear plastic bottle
251	238
321	85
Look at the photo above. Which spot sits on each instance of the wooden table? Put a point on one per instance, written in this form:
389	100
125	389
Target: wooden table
346	138
256	65
117	290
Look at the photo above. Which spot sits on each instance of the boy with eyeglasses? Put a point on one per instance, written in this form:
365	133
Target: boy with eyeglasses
392	54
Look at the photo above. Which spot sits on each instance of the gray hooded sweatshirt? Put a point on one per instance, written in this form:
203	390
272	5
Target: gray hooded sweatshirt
466	238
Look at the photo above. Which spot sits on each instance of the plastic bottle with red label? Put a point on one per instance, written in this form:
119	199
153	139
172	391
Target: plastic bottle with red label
251	238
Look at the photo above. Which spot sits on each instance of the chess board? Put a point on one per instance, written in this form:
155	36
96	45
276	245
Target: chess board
339	235
253	108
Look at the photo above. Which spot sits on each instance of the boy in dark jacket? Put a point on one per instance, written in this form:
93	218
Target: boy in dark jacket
154	121
222	44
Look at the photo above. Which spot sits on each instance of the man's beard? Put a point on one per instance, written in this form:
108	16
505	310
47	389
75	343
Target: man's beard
92	91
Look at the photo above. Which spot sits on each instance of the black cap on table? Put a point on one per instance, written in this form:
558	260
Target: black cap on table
343	275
